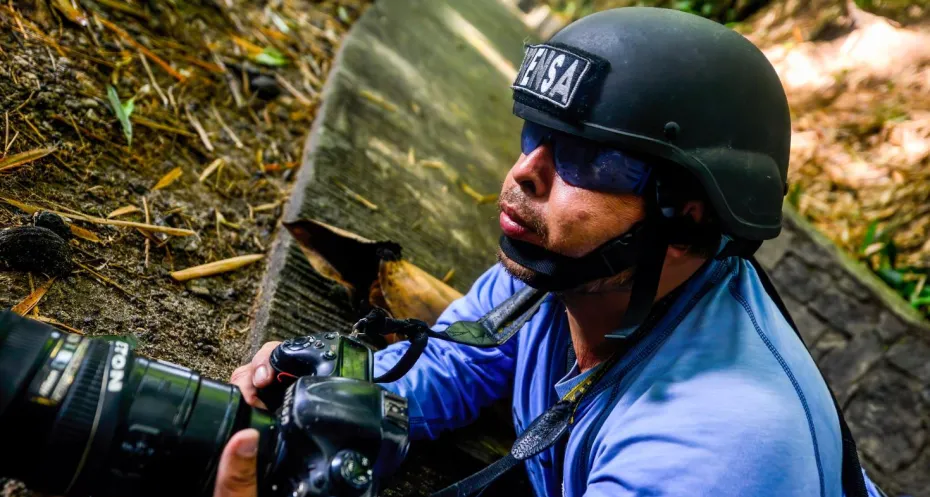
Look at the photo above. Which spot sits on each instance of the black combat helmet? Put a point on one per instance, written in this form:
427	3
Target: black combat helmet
682	92
676	86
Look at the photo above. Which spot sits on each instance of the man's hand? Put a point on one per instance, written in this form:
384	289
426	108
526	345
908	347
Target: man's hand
255	375
236	476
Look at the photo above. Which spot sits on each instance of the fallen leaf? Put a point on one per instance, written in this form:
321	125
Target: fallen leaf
214	268
343	257
270	56
122	211
210	169
169	178
379	100
32	299
28	209
84	234
411	292
73	14
23	158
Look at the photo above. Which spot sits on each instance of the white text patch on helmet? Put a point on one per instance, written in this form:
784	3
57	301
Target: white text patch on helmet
552	74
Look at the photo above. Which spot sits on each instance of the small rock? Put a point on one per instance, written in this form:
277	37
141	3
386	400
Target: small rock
200	290
192	245
54	222
35	249
265	88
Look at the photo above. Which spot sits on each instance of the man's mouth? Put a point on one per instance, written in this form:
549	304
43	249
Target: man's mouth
515	226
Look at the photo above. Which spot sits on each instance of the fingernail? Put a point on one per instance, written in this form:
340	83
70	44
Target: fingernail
261	374
248	447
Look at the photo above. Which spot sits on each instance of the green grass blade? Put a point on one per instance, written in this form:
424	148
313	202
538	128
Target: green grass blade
121	113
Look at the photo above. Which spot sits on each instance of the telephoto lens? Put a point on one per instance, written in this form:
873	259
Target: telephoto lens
81	416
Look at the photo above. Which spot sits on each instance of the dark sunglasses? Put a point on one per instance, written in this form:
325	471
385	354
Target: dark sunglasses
587	164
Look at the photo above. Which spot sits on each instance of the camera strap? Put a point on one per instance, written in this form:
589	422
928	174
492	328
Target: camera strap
544	432
553	424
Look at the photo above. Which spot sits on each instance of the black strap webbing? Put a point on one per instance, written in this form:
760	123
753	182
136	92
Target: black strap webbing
479	480
853	482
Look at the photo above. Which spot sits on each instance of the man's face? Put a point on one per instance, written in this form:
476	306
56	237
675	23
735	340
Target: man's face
538	207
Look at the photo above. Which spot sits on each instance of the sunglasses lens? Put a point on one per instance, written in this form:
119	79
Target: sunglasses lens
587	165
532	137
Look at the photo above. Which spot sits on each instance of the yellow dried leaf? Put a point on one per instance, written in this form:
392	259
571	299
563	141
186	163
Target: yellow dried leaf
84	234
28	209
122	211
169	178
32	299
479	198
215	268
21	159
379	100
210	169
411	292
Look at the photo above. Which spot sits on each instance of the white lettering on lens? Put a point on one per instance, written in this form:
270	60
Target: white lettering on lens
529	70
117	367
564	86
553	70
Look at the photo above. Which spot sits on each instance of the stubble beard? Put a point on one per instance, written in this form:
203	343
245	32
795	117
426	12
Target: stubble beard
622	282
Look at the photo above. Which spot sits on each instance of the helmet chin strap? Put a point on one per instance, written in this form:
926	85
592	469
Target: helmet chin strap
644	247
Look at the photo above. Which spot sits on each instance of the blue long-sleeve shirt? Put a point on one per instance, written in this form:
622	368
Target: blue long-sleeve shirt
720	399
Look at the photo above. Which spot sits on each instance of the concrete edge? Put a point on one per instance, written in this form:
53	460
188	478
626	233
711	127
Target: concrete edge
873	283
283	242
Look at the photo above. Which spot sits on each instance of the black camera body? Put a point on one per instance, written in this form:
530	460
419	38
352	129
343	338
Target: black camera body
337	433
82	416
337	436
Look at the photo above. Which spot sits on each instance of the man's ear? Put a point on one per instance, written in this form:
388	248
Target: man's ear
695	209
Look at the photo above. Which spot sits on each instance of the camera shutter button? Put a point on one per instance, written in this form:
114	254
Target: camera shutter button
298	343
329	355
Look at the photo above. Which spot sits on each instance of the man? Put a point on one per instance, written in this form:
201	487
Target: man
655	155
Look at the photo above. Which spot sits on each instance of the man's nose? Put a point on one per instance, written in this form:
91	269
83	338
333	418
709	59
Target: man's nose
535	172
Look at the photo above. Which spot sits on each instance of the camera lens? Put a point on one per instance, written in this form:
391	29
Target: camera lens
84	416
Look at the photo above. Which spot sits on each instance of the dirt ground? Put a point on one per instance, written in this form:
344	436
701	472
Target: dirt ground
224	93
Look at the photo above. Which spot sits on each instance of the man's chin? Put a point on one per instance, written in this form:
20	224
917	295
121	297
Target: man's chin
519	272
622	282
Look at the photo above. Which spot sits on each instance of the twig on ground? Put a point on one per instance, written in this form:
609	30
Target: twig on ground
148	242
104	279
148	53
215	268
226	128
200	131
96	220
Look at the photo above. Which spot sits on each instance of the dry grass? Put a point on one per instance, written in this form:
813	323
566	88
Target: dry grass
168	134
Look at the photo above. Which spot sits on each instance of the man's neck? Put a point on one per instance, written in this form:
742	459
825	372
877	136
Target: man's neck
591	316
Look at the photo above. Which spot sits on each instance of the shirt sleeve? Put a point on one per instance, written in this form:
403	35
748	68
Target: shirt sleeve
451	382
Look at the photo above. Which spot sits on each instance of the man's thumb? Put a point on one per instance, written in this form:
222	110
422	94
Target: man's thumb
236	476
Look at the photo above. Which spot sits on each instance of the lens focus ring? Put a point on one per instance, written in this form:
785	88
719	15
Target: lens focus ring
74	426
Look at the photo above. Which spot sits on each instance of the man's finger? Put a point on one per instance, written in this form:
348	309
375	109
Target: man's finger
237	471
242	378
261	365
